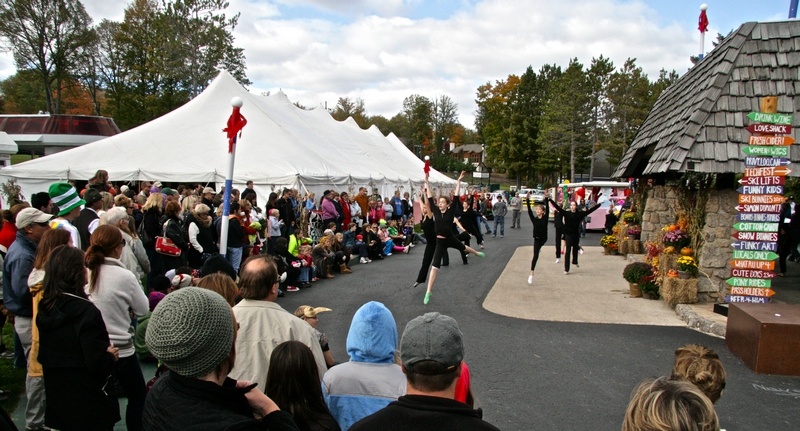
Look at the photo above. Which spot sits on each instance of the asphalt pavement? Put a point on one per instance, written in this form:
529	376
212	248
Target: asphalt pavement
561	354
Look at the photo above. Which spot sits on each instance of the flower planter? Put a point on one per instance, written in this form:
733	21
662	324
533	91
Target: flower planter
634	291
683	275
606	250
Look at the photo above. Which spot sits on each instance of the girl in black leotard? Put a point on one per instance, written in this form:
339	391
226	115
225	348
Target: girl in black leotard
539	221
572	223
429	231
443	215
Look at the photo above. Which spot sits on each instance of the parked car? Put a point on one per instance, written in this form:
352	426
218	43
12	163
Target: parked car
531	196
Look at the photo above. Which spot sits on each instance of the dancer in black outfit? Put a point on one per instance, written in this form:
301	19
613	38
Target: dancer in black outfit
429	232
443	215
539	230
572	230
468	219
558	223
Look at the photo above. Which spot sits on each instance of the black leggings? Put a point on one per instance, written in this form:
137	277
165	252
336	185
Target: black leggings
442	244
573	245
427	258
537	246
559	237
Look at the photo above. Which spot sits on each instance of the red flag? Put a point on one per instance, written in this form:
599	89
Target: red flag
702	24
427	167
235	124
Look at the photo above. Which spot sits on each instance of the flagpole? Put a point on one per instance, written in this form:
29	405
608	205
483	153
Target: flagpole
703	27
235	124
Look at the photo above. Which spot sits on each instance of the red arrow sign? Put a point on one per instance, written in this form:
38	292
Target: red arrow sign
761	199
762	181
764	265
759	208
768	140
752	273
770	129
756	236
780	171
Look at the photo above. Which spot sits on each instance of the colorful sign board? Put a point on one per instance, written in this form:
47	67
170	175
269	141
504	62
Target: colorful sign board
765	161
756	236
751	273
755	245
761	199
760	190
762	117
756	227
758	208
763	181
754	255
751	150
752	291
778	141
770	129
778	171
763	265
749	282
749	299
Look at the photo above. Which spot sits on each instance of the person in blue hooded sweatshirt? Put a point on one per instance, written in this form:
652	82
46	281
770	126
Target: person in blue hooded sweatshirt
372	378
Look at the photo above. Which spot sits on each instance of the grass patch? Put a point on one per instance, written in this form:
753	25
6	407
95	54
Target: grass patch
11	379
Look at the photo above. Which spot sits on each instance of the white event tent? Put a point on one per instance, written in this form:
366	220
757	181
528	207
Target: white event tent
281	146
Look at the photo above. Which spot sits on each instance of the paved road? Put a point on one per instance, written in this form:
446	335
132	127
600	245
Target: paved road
539	375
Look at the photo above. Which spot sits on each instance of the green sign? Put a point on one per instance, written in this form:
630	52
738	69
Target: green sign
756	227
760	117
754	255
748	282
752	150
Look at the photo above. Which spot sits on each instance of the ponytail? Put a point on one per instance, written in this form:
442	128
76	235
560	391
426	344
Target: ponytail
104	240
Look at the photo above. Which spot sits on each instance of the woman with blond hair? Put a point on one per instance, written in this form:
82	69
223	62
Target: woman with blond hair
222	284
702	367
116	293
669	405
151	228
202	237
134	256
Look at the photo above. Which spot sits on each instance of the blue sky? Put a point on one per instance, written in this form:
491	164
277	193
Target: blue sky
383	51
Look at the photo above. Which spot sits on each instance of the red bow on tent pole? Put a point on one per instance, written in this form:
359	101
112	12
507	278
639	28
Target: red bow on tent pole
427	168
702	23
236	123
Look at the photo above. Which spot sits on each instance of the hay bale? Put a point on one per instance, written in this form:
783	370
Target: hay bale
667	262
624	248
677	291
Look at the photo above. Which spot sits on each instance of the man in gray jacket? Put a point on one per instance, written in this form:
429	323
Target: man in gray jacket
516	208
499	209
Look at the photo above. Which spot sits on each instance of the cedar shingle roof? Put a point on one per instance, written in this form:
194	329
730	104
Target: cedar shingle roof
700	120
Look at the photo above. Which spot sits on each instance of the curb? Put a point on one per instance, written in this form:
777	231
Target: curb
699	323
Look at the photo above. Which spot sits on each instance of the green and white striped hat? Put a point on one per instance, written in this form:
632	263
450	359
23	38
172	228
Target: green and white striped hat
65	197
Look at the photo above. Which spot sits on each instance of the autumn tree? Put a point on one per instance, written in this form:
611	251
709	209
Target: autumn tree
418	113
45	36
347	107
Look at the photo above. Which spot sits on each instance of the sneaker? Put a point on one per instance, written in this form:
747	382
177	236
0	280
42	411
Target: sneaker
368	260
388	254
427	298
577	266
411	245
566	272
406	250
481	254
481	245
363	260
558	260
530	279
7	354
416	283
315	279
292	288
494	236
488	232
502	236
580	250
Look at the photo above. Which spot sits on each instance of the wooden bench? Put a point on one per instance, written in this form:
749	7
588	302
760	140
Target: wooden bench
766	337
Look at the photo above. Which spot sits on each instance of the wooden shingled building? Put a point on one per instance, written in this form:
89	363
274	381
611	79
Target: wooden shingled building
698	123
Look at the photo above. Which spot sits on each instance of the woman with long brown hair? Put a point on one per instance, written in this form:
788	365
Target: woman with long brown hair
116	292
173	229
151	228
300	395
74	348
34	384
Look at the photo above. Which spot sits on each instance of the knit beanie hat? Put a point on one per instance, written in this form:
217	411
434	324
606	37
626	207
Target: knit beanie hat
191	331
65	197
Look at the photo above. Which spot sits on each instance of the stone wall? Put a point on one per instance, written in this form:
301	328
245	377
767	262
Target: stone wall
662	203
717	251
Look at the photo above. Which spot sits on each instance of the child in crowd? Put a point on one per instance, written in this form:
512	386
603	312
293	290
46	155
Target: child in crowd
412	237
700	366
360	248
349	236
308	272
388	243
395	235
275	226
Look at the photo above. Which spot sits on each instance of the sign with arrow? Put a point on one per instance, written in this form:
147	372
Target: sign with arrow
760	190
770	129
761	199
755	245
752	291
751	273
758	208
756	236
778	171
749	282
754	255
765	161
766	151
763	181
778	141
756	227
761	117
763	265
751	299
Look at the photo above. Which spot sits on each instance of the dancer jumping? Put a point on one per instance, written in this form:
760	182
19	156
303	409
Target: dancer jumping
429	231
539	230
572	230
443	215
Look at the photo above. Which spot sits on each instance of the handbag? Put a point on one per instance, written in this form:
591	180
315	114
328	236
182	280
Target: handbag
165	245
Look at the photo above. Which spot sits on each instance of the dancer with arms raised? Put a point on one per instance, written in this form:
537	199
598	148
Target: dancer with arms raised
443	215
